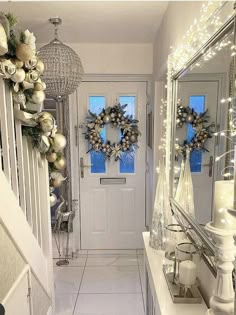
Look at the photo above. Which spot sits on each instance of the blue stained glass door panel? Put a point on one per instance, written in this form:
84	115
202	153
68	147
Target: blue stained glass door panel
196	102
127	161
98	163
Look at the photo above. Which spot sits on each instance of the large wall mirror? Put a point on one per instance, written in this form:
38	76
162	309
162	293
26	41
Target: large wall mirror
204	86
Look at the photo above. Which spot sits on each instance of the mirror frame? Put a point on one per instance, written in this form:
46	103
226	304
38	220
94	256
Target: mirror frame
174	73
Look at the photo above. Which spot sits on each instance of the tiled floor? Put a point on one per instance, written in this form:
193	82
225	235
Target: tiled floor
101	283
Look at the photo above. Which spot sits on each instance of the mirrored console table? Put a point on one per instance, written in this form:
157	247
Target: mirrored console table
156	294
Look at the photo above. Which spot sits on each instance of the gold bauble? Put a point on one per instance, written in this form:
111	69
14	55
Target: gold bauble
60	164
47	125
38	97
19	76
24	52
45	115
56	182
38	86
51	157
59	142
40	67
18	63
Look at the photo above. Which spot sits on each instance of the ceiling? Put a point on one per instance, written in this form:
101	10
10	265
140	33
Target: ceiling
91	21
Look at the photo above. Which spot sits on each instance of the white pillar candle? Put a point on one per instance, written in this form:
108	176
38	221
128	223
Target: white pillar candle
170	246
187	273
223	200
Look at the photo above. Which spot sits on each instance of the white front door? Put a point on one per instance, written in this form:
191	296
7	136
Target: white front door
112	193
201	96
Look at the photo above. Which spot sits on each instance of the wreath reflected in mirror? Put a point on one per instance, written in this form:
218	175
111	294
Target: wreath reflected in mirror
117	118
202	131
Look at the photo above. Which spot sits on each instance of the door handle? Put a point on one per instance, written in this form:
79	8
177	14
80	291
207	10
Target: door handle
82	167
210	165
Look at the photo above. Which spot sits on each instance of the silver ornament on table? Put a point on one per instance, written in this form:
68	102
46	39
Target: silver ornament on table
106	119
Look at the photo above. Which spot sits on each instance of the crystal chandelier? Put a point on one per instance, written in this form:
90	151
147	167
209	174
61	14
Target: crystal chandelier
63	68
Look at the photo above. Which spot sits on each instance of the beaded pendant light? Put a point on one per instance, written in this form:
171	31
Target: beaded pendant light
63	67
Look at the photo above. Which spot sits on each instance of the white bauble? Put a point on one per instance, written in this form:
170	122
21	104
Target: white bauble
3	41
59	142
40	67
19	76
53	200
38	97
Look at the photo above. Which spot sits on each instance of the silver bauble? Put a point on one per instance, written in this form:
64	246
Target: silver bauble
133	139
190	118
106	119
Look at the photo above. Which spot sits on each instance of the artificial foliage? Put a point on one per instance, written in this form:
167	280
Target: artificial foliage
22	70
117	118
199	122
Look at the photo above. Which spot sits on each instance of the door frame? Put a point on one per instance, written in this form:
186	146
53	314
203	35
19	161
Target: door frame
75	123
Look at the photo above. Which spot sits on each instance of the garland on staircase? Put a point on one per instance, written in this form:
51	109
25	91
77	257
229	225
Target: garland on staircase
22	69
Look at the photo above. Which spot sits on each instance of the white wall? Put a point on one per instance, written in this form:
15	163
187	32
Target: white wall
104	58
178	18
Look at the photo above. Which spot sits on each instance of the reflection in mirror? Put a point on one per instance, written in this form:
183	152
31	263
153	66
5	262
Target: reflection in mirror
201	113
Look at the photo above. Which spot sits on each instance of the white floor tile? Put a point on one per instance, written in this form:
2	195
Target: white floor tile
141	269
140	251
112	260
141	260
82	252
67	279
65	303
115	279
109	304
112	252
79	262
